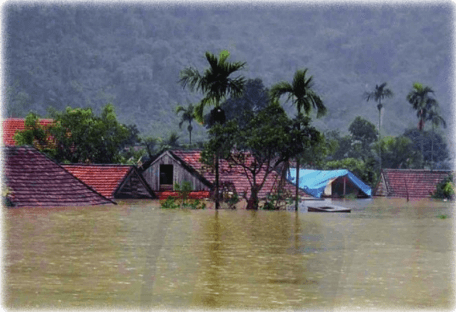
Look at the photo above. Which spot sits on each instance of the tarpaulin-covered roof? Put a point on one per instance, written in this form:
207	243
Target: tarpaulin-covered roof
314	181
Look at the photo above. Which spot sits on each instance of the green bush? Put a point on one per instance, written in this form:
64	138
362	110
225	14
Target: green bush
169	203
444	189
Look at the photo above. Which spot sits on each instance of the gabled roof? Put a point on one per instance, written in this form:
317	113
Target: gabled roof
230	173
109	180
417	183
37	181
11	125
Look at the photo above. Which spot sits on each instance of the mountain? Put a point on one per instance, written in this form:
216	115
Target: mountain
58	55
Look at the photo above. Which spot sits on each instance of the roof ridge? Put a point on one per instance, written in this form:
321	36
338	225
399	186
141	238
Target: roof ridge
114	165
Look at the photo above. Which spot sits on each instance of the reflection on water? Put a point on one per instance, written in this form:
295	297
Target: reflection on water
385	254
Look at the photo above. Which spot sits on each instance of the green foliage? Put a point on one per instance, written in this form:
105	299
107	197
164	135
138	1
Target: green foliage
254	98
182	201
187	115
397	152
277	200
380	93
267	140
195	204
169	203
363	170
300	93
37	135
172	141
82	137
434	145
445	189
184	189
442	216
79	56
363	132
215	83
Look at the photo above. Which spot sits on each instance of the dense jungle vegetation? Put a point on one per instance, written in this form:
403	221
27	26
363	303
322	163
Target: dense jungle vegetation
60	55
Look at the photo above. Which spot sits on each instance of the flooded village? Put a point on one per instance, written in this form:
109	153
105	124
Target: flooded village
310	168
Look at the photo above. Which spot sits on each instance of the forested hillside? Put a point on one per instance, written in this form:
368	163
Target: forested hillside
60	55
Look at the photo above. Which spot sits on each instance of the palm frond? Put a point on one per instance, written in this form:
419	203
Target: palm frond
280	89
190	77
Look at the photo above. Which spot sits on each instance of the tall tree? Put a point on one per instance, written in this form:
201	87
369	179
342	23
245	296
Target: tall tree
378	95
301	95
436	120
422	102
363	134
215	84
187	116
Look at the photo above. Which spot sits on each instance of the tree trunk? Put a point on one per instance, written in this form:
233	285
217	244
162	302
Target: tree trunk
217	203
297	184
380	135
252	203
432	148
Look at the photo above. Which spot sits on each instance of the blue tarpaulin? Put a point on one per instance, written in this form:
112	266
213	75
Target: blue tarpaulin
313	182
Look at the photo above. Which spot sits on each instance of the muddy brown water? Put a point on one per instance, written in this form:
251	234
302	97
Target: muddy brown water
385	254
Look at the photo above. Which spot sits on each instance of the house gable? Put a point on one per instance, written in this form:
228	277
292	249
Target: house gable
182	171
112	180
231	175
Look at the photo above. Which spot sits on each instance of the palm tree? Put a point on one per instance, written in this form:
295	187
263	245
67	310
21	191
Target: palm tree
436	120
215	84
187	116
300	93
378	95
421	101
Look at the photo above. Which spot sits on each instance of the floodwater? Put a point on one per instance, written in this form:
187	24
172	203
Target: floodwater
385	254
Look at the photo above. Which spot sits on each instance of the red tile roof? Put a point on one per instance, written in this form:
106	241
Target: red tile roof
11	125
105	179
37	181
231	173
417	183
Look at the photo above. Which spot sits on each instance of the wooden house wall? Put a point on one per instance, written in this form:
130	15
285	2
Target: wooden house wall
180	174
133	188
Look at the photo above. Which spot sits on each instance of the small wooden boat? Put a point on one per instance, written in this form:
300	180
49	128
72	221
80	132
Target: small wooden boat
328	208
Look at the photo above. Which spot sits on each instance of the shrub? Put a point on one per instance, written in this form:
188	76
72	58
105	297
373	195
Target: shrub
444	189
169	203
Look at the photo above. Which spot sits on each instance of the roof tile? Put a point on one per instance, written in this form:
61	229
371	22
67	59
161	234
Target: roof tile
36	180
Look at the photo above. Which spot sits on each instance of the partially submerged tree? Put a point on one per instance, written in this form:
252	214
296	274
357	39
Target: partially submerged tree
301	94
260	146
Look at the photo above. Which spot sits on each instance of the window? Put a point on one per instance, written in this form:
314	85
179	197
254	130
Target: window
166	174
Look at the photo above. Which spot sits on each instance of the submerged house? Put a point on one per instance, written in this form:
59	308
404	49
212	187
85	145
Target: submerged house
330	183
176	166
409	183
113	181
34	180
